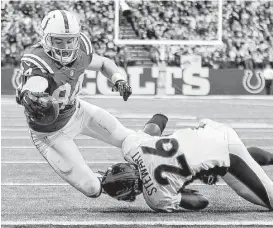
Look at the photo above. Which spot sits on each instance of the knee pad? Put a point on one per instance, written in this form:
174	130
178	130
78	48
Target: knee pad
90	187
57	162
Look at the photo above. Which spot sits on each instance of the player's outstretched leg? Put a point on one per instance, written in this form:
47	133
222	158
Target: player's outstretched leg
262	157
100	124
64	157
245	176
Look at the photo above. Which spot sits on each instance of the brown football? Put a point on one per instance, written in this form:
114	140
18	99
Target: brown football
51	113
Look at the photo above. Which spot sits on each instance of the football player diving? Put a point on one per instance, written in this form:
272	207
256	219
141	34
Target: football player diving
52	76
161	167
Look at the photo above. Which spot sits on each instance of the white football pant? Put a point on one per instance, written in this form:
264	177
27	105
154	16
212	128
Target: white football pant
63	155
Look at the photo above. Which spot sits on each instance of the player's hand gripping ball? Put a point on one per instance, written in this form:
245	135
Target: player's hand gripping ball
41	108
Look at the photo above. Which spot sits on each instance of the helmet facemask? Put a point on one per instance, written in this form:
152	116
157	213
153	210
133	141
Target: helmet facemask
66	51
129	191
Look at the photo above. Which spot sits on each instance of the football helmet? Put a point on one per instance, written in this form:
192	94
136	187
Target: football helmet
61	25
122	182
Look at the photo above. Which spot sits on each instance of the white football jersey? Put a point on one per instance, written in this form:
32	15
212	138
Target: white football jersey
166	162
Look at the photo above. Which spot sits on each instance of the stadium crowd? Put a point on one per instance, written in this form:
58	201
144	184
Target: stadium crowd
176	20
247	34
247	29
21	21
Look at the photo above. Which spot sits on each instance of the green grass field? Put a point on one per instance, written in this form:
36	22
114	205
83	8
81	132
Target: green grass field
33	195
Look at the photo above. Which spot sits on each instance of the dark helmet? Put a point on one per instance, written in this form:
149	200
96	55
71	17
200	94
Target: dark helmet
122	182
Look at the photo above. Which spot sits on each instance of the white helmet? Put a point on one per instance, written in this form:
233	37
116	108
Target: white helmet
61	24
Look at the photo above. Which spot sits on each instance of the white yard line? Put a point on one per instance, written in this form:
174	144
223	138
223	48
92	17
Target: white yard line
140	126
66	184
264	127
80	147
149	115
23	128
44	162
237	125
90	138
205	223
33	184
10	99
95	147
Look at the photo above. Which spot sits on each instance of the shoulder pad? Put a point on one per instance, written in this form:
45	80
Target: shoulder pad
35	58
85	44
28	68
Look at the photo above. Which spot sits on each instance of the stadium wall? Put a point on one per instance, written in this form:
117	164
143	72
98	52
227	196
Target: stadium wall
195	81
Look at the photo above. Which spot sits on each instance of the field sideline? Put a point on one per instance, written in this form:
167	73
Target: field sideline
34	196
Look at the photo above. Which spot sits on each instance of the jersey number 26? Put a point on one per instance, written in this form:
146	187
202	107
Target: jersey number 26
167	148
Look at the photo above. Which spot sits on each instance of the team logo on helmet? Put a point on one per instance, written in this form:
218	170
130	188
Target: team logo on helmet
71	73
16	78
249	87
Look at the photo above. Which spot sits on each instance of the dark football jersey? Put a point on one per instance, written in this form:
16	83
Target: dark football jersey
64	82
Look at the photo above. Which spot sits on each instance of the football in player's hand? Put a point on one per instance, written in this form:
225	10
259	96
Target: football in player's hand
49	111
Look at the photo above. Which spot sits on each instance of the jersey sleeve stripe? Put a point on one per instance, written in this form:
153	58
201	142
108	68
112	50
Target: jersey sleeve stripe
87	42
33	62
41	61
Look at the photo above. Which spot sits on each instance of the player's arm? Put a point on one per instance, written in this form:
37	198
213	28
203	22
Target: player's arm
156	125
34	79
110	70
31	94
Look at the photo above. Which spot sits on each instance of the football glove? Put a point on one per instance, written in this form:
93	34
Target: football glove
123	88
209	179
40	107
211	176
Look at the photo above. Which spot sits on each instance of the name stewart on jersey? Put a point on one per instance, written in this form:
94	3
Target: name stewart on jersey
64	82
147	181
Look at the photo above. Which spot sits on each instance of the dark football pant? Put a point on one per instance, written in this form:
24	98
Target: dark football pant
262	157
247	178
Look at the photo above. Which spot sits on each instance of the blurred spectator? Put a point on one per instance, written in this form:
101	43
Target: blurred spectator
176	20
247	29
21	21
268	76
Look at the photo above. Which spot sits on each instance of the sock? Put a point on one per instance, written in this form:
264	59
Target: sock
262	157
160	120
